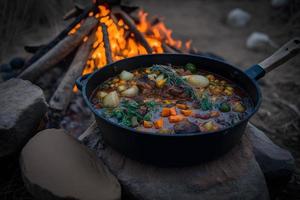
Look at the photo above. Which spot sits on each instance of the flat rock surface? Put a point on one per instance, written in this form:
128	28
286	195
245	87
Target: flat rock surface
233	176
22	107
56	166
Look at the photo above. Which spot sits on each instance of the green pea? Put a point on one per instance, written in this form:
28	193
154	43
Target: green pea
224	107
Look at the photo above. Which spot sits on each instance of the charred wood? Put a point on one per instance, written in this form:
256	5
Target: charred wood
106	43
129	21
33	48
74	12
63	94
60	37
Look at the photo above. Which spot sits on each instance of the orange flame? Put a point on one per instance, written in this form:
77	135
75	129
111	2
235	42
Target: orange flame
122	42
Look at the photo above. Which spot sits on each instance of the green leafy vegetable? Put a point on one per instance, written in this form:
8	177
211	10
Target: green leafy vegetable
148	116
125	112
206	103
191	67
224	107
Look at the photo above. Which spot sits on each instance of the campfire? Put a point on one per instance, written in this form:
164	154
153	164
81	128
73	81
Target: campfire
118	36
99	35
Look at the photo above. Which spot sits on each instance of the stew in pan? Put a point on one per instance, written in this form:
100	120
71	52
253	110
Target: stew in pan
172	100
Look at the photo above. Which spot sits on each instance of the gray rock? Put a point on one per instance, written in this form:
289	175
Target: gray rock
276	163
17	63
233	176
56	166
238	18
22	106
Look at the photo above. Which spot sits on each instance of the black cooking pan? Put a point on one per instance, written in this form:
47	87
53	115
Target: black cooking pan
181	149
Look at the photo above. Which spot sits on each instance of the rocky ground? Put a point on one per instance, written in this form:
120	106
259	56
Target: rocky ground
204	23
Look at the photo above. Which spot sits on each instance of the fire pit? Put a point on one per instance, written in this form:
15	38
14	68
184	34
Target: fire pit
104	33
101	34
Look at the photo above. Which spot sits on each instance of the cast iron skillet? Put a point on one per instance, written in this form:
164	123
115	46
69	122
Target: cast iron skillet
182	149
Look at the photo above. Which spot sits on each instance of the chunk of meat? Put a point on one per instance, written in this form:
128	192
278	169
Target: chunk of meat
175	91
145	83
185	126
143	110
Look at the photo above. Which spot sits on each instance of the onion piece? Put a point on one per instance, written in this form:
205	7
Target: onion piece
111	100
131	92
197	80
121	88
152	77
101	94
126	76
160	77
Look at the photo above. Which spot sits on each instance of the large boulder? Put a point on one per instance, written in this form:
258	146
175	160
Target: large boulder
277	164
235	175
22	106
56	166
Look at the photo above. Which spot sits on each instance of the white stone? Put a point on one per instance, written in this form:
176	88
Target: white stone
279	3
258	40
238	18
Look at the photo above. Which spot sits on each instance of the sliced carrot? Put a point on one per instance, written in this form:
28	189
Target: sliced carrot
165	112
186	112
159	123
182	106
173	111
147	124
214	114
176	118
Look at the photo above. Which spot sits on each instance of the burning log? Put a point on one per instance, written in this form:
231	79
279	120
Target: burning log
60	51
138	35
106	43
62	96
168	49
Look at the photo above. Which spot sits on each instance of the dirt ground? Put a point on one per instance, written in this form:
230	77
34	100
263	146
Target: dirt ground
203	22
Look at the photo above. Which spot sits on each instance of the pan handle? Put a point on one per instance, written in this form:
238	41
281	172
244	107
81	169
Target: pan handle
287	51
80	81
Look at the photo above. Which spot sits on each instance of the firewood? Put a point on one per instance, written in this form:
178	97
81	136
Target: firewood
106	44
63	94
74	12
90	130
59	52
42	51
33	48
168	49
138	35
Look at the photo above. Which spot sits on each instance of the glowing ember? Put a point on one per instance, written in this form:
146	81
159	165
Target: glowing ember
122	41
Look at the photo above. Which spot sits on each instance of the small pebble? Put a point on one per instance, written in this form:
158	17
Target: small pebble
17	62
238	18
5	68
259	41
279	3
